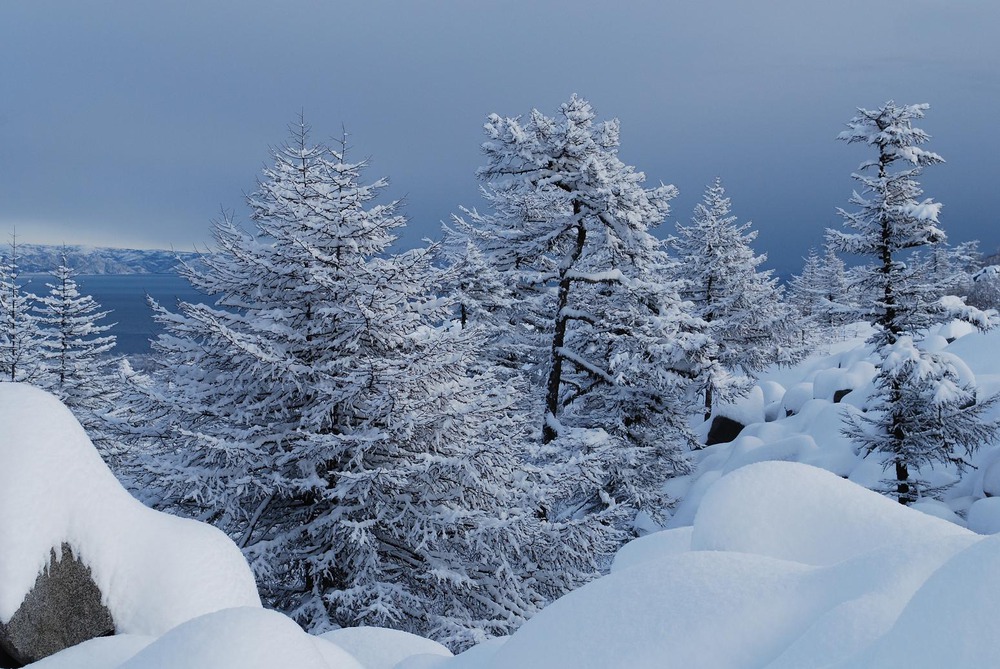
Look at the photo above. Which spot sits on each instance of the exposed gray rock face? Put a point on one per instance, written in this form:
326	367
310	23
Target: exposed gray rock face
63	609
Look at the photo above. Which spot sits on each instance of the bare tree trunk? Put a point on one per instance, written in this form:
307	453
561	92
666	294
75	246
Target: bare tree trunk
559	336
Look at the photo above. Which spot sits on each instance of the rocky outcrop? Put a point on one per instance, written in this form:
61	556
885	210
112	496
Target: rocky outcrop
63	608
723	429
841	394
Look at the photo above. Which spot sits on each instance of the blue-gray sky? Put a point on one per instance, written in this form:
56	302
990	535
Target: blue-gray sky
131	123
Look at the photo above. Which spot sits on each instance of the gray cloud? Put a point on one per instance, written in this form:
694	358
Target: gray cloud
132	123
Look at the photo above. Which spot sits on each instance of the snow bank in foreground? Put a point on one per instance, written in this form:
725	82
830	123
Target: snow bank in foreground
951	621
380	648
102	653
799	586
241	638
154	570
806	570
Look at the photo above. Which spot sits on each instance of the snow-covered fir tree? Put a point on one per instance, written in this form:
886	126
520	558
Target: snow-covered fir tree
599	330
326	414
821	293
20	335
748	320
480	290
984	292
951	268
75	352
922	411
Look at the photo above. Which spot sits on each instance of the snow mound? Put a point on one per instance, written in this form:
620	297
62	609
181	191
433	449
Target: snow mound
828	381
950	621
669	613
745	410
846	600
796	512
381	648
652	546
749	449
102	653
984	515
241	638
154	570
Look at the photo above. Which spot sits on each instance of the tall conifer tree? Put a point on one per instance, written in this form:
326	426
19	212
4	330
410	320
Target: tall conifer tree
76	352
599	328
326	413
20	335
748	321
923	412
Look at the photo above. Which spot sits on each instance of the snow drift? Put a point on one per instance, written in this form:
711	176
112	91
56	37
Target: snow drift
241	638
154	570
776	559
789	567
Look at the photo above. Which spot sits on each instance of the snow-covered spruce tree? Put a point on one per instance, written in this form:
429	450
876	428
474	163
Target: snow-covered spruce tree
20	336
984	292
748	320
482	294
821	293
604	338
951	268
921	413
75	352
324	414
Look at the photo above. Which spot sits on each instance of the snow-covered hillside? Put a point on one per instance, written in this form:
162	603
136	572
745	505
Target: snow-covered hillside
798	414
43	258
777	557
786	567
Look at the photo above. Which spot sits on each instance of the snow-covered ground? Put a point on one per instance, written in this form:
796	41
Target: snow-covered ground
791	415
777	557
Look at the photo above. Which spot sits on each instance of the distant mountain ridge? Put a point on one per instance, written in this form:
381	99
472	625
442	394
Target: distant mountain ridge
41	258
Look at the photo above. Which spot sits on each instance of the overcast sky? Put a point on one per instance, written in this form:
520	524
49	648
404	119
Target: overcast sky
132	123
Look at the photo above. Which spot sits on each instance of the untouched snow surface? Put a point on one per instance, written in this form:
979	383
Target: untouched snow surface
775	559
379	648
154	570
242	638
101	653
840	524
798	588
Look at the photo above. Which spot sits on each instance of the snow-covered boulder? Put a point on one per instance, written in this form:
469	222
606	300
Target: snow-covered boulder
153	571
723	429
833	384
796	397
730	419
795	512
241	638
62	609
805	570
381	648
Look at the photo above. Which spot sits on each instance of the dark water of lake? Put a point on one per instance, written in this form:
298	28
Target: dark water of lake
125	296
